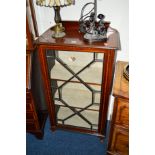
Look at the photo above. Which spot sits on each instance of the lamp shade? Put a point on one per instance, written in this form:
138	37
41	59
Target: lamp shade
51	3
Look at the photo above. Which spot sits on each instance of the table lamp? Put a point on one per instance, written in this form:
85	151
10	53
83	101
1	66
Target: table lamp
58	29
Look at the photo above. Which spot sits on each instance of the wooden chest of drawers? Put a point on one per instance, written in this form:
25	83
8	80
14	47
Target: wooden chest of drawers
119	132
32	123
35	119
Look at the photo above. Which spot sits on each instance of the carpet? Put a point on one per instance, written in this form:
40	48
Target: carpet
65	143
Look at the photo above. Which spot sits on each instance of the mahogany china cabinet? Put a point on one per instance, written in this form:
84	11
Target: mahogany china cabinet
119	132
77	79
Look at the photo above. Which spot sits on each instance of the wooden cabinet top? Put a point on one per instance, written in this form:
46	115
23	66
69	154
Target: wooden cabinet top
75	39
121	85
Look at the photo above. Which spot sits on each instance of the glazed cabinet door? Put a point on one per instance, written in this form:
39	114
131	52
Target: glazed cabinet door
76	79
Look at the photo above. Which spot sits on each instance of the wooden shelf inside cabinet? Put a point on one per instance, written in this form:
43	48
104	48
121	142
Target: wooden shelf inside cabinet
77	77
119	133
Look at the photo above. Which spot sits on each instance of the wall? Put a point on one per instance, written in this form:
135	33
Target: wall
116	11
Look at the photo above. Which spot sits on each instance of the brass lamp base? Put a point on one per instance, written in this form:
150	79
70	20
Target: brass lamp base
58	31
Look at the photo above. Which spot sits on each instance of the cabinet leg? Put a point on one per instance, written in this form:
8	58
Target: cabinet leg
101	139
53	128
39	135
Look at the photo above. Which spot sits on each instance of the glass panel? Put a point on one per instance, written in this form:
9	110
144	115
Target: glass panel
76	79
76	95
96	77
